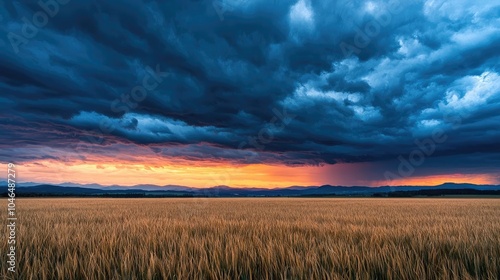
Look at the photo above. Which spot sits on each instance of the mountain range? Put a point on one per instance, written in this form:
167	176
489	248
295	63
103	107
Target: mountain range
145	190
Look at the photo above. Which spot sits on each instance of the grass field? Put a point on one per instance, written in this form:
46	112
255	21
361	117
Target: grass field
256	238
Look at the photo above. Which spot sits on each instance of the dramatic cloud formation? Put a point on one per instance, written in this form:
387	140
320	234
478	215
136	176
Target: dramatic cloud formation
408	88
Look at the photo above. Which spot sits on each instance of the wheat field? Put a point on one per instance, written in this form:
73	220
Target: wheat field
256	238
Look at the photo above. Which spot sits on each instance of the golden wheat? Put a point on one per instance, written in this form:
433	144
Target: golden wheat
257	238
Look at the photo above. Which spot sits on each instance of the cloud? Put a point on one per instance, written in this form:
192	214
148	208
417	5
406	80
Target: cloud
226	79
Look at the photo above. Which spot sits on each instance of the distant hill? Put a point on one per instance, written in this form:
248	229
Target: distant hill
70	189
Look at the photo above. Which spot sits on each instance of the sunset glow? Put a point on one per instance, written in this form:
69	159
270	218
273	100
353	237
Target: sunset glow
257	95
203	175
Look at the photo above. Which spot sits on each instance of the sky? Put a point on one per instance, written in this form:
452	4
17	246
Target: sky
251	93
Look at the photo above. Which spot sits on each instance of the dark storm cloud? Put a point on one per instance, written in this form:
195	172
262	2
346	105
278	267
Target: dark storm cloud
297	82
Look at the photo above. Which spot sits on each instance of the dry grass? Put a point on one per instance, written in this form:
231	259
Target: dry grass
273	238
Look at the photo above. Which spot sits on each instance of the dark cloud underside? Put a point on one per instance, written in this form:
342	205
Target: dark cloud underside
305	82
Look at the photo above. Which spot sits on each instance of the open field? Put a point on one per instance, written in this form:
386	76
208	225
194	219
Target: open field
256	238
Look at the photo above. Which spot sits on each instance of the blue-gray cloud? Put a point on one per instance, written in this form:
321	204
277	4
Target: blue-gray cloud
358	80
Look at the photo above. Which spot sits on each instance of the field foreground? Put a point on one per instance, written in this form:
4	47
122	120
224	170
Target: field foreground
256	238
